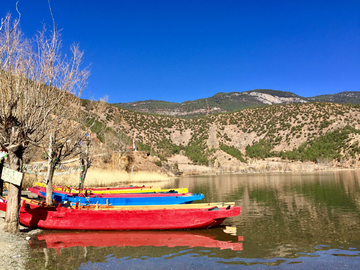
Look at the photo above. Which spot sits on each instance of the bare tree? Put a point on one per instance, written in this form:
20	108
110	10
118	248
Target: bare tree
85	159
120	146
65	136
36	84
62	143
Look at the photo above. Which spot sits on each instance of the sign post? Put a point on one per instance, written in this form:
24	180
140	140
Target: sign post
12	176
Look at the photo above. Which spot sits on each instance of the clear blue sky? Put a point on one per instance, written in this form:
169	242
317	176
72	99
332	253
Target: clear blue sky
178	50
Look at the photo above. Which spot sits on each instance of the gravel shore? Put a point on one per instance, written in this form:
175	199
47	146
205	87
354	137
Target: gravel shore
14	249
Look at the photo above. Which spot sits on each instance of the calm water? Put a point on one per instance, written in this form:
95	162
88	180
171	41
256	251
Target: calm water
288	221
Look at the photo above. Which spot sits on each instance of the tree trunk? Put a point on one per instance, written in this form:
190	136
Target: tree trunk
120	154
49	182
84	164
51	168
12	216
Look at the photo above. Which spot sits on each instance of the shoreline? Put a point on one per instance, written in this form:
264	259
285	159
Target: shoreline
199	173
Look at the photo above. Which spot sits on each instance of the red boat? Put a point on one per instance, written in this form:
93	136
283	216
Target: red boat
200	238
2	204
156	217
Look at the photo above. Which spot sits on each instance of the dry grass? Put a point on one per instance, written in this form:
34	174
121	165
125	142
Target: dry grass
99	178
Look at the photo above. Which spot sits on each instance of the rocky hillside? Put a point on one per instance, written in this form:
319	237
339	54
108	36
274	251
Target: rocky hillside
352	97
229	102
315	132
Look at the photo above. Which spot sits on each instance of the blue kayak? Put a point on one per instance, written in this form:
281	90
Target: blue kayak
126	200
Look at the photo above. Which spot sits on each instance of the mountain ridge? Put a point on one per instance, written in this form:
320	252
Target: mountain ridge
223	102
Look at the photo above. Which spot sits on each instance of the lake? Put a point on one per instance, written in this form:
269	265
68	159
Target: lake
288	221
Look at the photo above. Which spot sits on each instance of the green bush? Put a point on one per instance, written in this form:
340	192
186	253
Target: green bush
232	151
158	163
260	149
197	152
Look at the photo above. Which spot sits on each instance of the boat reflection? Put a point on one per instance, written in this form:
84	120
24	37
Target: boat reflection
211	238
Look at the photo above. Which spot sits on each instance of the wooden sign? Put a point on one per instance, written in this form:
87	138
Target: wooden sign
12	176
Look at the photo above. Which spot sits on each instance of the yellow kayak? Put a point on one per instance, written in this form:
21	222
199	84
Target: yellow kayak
117	190
144	207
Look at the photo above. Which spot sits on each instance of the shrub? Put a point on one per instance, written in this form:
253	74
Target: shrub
232	151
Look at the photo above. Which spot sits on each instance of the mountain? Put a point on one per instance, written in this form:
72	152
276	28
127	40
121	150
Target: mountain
352	97
233	101
219	103
304	131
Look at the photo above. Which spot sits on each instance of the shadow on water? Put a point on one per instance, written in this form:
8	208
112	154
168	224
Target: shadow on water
288	220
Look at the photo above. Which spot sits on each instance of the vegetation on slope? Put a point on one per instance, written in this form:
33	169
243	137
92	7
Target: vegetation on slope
232	151
306	131
331	146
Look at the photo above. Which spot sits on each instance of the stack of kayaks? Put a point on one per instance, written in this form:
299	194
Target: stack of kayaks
122	198
132	217
133	208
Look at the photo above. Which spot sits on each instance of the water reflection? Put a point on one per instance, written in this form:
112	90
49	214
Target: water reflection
214	238
289	220
95	246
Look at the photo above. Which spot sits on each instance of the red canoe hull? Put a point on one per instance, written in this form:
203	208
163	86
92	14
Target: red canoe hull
2	206
62	218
